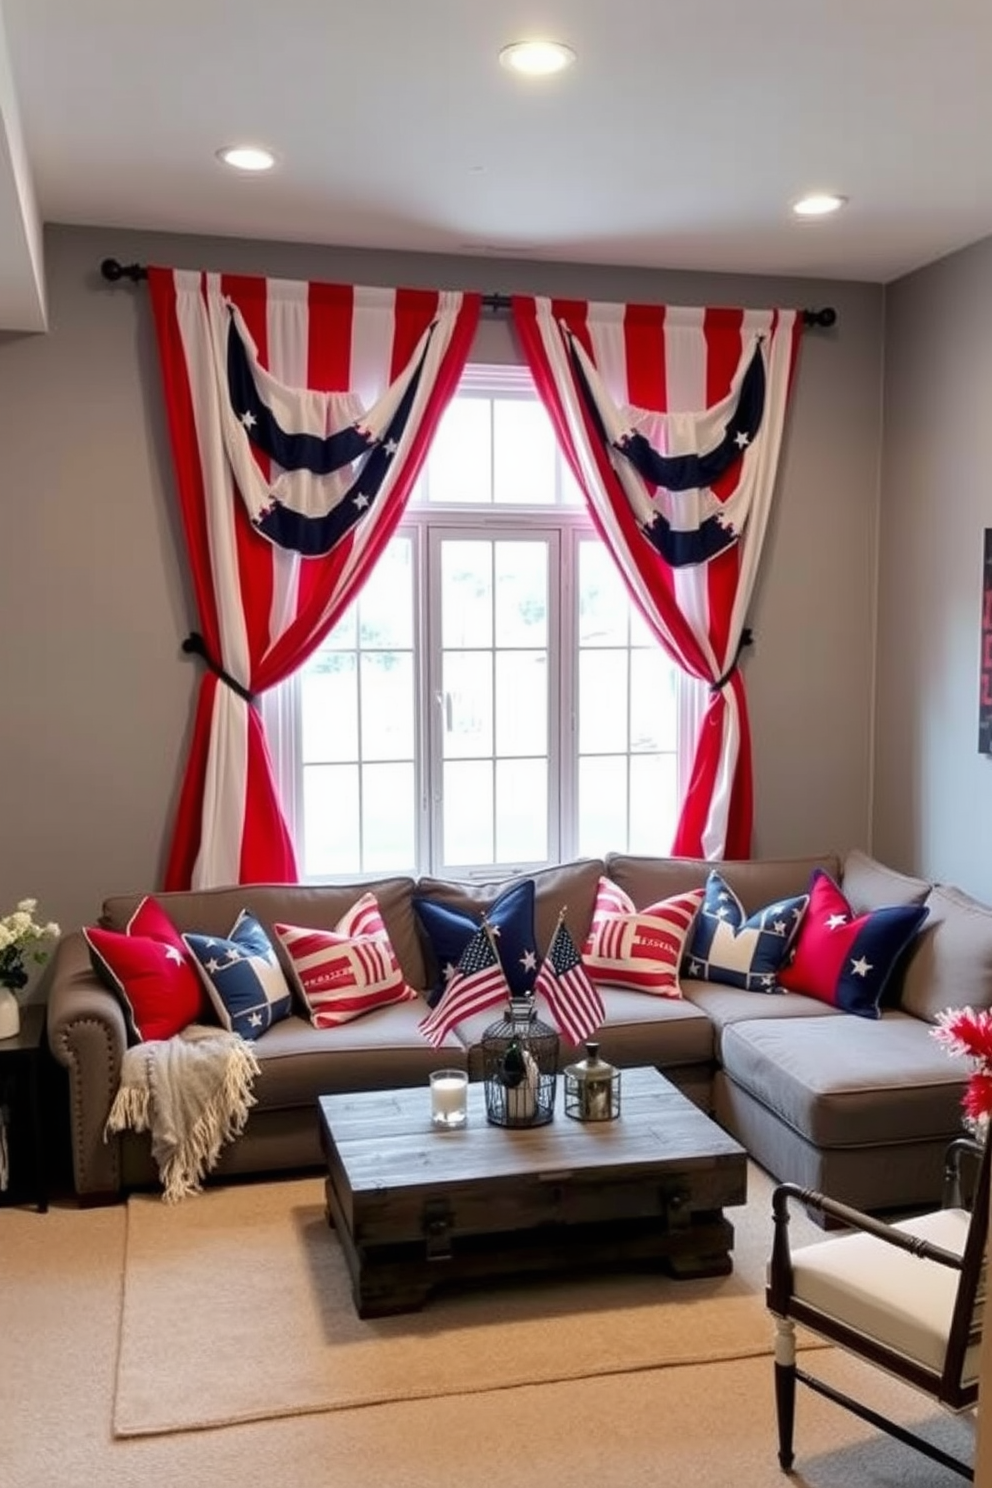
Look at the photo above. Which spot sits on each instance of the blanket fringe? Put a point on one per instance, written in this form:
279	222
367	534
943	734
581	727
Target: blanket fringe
224	1118
185	1151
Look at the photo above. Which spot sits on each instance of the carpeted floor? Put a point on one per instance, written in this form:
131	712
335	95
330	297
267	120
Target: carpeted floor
701	1425
249	1273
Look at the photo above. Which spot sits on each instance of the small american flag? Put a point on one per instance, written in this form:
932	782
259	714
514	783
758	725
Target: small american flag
478	983
575	1004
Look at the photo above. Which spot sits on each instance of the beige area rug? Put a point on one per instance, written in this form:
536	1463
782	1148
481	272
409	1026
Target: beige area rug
237	1307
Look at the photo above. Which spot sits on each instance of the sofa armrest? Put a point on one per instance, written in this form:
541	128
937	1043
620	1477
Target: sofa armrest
87	1034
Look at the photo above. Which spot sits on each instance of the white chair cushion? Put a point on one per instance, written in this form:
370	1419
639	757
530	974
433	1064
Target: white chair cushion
889	1295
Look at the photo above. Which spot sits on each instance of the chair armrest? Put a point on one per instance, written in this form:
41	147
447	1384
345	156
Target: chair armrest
87	1034
954	1196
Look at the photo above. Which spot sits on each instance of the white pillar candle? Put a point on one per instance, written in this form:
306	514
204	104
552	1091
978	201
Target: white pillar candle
449	1089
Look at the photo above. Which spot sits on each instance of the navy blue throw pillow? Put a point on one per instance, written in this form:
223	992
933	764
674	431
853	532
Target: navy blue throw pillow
511	916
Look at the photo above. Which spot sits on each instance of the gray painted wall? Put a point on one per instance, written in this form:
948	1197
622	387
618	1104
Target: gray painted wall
94	605
933	793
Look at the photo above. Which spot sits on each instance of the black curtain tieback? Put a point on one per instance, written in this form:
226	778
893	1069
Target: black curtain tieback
195	645
747	639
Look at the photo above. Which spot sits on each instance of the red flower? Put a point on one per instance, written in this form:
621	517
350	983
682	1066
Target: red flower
977	1100
965	1031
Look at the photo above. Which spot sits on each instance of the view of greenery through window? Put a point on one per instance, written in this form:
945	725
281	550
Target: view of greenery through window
491	701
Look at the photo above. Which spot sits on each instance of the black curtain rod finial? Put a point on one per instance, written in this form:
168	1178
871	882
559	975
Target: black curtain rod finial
113	271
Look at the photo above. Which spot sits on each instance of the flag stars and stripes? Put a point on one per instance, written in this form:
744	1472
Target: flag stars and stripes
248	419
741	439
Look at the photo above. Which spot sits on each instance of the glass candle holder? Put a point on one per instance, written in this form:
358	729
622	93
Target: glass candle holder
449	1098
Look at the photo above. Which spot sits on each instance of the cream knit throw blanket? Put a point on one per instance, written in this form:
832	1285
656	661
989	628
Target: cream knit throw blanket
193	1093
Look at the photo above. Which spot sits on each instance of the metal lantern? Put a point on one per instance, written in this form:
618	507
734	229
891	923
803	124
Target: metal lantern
592	1088
520	1067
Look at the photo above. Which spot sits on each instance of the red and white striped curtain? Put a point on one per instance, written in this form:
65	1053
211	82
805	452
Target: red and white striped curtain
299	416
672	420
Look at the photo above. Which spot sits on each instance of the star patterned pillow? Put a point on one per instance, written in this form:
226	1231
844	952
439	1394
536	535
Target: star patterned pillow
738	950
846	959
149	968
511	918
243	977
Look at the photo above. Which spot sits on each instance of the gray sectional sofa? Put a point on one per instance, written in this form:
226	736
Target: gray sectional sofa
862	1109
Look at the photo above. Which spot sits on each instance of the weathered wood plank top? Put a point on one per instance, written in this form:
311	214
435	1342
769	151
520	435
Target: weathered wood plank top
384	1139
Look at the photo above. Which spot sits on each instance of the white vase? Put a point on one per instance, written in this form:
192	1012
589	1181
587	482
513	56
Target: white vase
10	1014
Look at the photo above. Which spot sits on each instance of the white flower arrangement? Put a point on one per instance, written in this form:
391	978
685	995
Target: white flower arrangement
21	940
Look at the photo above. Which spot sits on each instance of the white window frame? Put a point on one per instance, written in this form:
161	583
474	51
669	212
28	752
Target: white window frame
568	523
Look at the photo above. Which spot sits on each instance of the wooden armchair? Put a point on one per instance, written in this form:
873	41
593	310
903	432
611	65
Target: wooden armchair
907	1297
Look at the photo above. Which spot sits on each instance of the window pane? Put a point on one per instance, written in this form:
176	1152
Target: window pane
388	820
602	824
466	593
331	841
523	453
521	593
602	701
653	808
571	491
468	812
521	702
344	634
603	602
652	701
385	606
468	704
329	707
387	705
460	459
521	811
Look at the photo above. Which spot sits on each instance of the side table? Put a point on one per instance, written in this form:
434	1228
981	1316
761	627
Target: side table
20	1094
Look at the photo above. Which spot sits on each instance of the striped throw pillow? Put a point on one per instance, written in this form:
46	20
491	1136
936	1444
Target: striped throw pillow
348	971
639	950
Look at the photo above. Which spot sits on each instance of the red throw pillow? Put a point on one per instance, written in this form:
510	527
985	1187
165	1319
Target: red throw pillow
638	949
348	971
846	959
149	968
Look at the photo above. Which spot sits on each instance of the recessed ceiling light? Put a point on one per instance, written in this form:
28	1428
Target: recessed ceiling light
247	157
818	204
537	58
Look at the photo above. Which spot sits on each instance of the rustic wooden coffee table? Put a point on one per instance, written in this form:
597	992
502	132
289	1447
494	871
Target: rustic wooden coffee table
415	1208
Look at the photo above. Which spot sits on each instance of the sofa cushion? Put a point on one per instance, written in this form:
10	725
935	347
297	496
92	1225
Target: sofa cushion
211	912
842	1082
755	882
243	977
951	964
569	886
847	959
382	1051
724	1005
636	1030
449	930
347	972
867	884
640	950
152	972
748	951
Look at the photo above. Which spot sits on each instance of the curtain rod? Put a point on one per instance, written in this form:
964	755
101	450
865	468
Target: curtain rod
113	270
